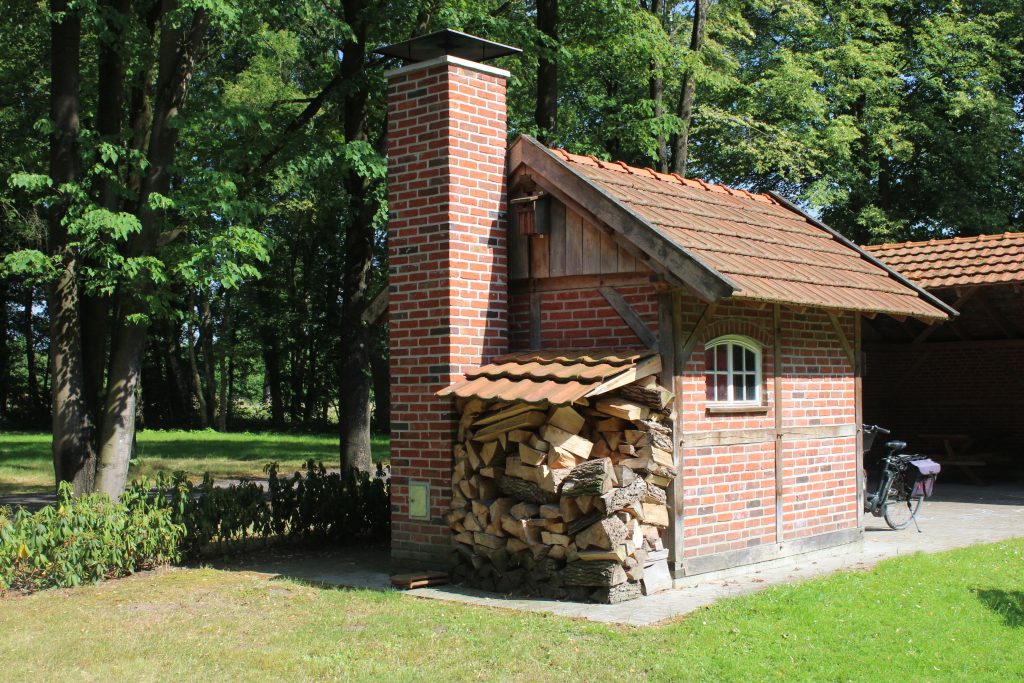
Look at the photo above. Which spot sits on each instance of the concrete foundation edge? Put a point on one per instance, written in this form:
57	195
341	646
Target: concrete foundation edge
722	565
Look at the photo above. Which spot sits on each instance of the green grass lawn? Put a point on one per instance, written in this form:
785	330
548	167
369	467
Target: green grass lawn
26	465
956	616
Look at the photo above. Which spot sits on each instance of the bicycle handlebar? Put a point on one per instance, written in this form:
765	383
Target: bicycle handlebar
873	429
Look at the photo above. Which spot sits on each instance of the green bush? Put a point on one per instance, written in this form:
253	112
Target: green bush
91	538
314	508
88	539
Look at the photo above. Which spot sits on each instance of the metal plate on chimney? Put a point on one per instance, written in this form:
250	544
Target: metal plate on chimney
447	42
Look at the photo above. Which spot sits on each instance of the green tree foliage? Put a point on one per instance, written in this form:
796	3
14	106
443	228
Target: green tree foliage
197	188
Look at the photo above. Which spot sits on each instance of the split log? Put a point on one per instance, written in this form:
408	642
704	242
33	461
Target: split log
659	435
492	472
561	458
610	424
520	435
573	527
550	538
656	515
623	409
531	456
525	490
656	397
571	443
616	554
593	477
550	511
524	510
597	574
566	419
655	495
622	497
534	418
569	509
503	414
605	534
488	540
613	595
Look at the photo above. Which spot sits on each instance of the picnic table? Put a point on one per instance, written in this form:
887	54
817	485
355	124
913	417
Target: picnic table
959	452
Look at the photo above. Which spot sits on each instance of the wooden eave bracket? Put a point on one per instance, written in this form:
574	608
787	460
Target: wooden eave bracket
841	334
563	181
630	316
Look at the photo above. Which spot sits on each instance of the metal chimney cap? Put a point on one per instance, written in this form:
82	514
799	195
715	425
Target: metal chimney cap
447	42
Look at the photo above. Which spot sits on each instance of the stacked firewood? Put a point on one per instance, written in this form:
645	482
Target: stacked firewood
564	501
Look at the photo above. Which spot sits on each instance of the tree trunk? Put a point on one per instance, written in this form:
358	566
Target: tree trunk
177	380
354	366
197	381
73	454
95	316
272	368
681	146
32	378
224	349
546	113
117	436
178	45
209	360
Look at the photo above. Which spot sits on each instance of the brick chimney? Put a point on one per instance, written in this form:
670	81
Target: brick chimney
448	295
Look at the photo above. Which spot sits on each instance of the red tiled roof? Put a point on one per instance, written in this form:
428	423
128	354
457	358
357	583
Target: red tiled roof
988	259
556	377
767	250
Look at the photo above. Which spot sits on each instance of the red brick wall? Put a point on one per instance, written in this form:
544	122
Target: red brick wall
583	319
729	490
448	270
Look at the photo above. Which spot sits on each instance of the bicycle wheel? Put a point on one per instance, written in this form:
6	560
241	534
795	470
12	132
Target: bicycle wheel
900	510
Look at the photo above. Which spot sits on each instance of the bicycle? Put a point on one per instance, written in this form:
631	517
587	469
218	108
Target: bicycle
904	481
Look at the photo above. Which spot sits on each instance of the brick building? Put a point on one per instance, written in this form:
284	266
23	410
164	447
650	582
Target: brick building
746	309
955	389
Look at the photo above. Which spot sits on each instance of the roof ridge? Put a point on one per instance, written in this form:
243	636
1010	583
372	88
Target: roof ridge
988	237
623	167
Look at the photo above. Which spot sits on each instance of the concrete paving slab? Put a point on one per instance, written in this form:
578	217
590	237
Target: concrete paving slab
958	516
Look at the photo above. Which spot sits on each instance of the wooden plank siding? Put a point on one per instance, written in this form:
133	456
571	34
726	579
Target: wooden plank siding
573	245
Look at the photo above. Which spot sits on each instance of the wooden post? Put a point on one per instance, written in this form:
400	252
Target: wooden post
669	334
858	399
777	409
535	316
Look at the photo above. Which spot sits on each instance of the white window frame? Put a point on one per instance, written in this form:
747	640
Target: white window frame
747	344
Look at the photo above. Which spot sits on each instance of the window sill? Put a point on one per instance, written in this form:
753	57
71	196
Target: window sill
736	409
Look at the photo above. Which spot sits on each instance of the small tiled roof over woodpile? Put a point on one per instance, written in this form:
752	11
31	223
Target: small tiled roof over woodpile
983	260
758	245
555	377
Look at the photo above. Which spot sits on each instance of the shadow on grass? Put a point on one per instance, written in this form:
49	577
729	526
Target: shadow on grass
1007	604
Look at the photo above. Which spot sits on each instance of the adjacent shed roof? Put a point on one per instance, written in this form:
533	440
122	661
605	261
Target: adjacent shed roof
556	377
758	245
987	259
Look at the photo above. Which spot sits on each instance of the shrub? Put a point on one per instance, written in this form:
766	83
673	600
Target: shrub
314	508
87	539
90	538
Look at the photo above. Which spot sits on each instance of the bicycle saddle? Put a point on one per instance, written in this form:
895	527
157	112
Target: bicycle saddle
895	445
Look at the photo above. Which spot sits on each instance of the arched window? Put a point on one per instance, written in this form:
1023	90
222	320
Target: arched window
732	366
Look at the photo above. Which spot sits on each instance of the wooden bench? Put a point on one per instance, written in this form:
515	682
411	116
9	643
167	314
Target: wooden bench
958	453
